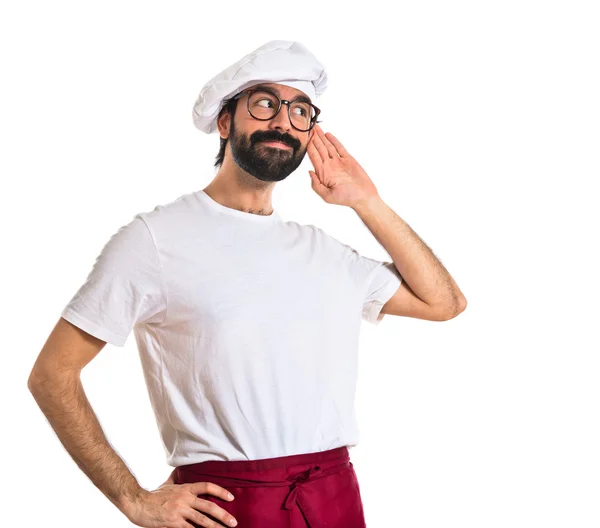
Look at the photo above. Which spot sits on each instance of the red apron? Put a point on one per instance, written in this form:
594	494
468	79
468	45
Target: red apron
315	490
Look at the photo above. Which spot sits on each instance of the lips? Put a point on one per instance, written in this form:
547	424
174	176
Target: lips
276	144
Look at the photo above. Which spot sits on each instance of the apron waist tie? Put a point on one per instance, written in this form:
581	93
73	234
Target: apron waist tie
309	475
294	482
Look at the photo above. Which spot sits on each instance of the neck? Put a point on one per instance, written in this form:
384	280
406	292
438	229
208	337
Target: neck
233	187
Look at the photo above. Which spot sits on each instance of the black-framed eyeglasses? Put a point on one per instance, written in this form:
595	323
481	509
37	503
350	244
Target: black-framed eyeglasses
265	105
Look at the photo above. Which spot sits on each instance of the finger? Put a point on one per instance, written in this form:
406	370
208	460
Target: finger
320	146
203	509
314	156
338	146
332	152
320	188
211	488
315	180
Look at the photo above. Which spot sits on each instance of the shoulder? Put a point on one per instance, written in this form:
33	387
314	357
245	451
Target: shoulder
182	204
168	218
315	232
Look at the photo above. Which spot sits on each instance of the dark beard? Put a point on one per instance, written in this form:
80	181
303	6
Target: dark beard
268	164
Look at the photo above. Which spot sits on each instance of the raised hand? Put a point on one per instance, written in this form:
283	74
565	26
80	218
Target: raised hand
338	178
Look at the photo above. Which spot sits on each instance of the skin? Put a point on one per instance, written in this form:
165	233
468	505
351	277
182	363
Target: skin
250	170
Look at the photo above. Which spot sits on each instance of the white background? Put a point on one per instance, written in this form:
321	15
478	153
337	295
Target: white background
479	124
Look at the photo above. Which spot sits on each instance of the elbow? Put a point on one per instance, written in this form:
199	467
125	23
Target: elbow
32	381
37	378
38	381
461	307
458	308
35	384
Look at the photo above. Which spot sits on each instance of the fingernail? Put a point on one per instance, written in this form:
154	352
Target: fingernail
230	496
233	522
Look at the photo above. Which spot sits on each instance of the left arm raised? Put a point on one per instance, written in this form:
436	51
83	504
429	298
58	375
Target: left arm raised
438	297
428	291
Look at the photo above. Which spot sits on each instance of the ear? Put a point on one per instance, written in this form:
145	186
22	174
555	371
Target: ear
223	125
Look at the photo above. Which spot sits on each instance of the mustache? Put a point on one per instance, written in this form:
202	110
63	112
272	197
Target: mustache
285	139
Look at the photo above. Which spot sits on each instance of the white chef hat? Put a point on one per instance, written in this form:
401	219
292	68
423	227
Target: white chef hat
278	61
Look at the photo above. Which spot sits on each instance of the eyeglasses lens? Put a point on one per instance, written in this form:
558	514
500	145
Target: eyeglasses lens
263	105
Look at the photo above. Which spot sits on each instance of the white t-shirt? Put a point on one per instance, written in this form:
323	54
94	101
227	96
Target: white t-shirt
247	327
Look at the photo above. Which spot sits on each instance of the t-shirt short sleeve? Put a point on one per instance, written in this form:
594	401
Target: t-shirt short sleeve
376	280
123	289
379	280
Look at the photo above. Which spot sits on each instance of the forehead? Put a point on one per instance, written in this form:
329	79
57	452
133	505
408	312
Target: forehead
284	91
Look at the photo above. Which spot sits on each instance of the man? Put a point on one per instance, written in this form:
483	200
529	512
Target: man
247	326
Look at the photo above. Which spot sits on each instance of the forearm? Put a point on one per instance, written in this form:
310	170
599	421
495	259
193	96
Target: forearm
64	403
417	264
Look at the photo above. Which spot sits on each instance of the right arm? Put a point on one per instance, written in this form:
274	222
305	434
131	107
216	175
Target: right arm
55	384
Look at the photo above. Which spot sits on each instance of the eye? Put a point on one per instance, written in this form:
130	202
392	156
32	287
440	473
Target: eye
268	101
302	111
